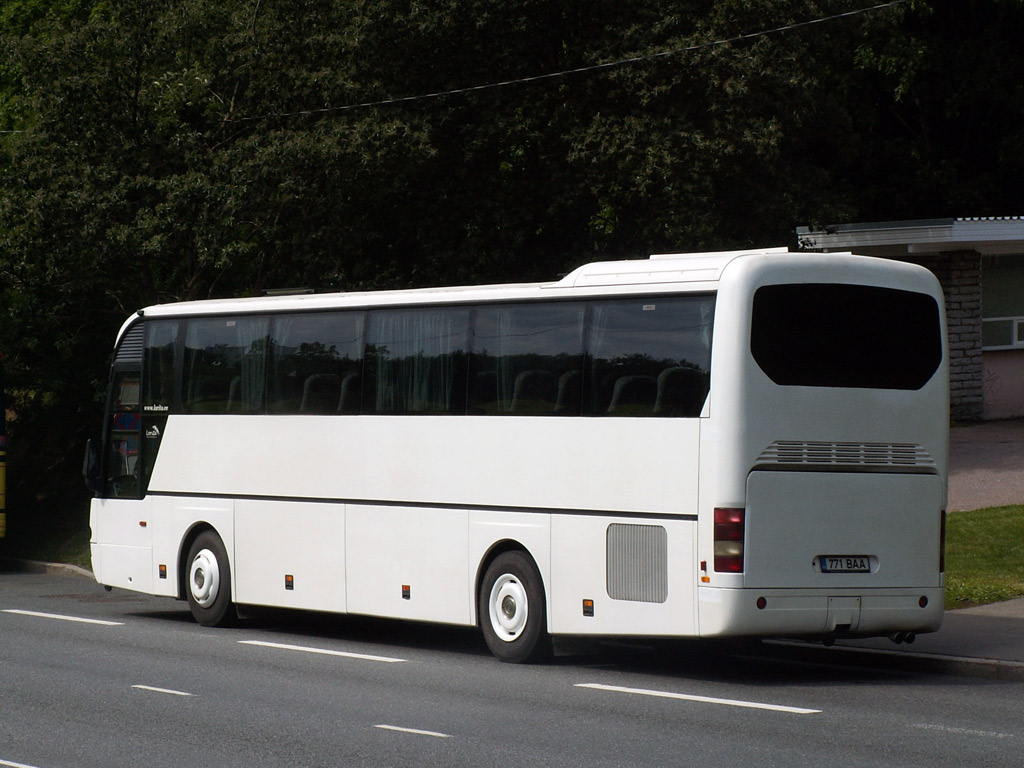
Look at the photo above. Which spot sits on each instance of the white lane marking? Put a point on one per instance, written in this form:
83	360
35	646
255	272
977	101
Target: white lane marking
65	618
323	651
15	765
416	731
700	699
962	731
162	690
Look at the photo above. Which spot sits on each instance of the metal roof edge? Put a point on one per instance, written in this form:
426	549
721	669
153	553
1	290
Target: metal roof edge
993	234
873	226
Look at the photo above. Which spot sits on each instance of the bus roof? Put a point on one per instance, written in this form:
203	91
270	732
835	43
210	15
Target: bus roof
659	268
660	272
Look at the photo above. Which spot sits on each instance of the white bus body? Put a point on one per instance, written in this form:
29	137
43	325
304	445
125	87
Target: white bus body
821	454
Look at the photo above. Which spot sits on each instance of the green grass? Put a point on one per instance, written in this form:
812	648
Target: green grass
984	556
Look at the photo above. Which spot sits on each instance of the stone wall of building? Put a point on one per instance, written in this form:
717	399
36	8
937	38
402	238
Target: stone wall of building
959	273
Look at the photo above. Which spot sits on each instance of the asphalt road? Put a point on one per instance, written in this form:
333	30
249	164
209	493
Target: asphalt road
89	678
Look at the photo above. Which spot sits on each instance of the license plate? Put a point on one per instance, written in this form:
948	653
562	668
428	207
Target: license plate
845	563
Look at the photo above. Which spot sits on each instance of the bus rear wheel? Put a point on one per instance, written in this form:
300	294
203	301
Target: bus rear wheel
208	582
512	609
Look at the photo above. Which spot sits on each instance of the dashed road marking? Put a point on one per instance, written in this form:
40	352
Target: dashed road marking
61	617
416	731
162	690
322	651
700	699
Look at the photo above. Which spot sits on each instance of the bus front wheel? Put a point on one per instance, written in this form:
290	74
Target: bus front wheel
208	582
512	609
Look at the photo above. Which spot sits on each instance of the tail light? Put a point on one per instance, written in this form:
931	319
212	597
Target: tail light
729	524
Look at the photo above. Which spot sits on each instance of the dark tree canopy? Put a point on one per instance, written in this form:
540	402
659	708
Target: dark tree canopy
154	152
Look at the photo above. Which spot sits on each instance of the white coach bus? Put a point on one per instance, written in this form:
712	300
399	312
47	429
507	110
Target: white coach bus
695	445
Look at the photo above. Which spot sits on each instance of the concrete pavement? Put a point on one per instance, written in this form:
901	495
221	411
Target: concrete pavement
986	465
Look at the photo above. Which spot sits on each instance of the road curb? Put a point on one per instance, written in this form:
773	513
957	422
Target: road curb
38	566
903	660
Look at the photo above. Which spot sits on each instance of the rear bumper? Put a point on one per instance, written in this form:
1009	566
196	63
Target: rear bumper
796	612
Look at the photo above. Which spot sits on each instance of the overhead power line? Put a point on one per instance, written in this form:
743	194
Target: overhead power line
571	72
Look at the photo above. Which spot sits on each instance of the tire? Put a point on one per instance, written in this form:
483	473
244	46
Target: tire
208	582
512	610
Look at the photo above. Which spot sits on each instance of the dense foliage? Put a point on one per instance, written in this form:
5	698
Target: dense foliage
159	151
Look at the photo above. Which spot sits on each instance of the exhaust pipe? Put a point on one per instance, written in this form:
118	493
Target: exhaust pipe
903	637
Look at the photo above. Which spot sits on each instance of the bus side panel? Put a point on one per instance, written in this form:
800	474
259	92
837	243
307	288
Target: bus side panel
488	529
275	540
166	546
122	544
639	573
407	563
503	462
173	519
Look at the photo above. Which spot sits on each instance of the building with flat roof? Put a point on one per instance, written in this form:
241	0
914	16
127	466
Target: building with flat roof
980	264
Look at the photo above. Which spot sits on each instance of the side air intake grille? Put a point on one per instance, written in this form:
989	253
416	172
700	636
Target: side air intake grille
638	563
887	457
130	348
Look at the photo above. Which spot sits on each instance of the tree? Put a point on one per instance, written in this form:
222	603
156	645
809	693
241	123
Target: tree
940	131
193	149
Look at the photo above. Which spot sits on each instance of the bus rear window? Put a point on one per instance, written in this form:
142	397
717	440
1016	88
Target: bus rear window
830	335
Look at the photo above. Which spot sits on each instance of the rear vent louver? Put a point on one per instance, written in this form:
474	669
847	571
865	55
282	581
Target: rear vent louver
889	457
638	563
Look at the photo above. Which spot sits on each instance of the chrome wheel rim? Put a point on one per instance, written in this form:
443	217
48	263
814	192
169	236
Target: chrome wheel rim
204	578
508	608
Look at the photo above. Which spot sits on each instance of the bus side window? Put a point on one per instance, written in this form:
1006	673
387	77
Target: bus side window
225	362
416	361
315	363
649	356
526	359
